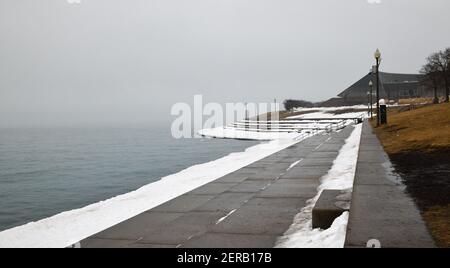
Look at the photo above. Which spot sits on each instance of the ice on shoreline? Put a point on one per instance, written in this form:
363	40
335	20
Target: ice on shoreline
231	133
69	227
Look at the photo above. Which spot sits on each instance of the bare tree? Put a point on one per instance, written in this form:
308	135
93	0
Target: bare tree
440	62
447	61
289	105
432	79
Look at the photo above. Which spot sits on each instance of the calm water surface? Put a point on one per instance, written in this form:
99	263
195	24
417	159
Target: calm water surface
47	171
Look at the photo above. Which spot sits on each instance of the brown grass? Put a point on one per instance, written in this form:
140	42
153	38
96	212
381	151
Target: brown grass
418	143
426	128
349	110
438	221
415	101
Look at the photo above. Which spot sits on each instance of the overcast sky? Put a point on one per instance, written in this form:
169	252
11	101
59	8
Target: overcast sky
128	61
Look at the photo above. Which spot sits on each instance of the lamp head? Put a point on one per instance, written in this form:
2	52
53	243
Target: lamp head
377	54
370	83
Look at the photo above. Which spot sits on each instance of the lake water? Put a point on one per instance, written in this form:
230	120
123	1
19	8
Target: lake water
47	171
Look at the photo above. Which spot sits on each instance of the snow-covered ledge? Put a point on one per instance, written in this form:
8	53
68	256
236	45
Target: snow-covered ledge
340	177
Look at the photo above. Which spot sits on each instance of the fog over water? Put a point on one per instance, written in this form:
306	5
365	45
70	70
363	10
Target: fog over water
111	62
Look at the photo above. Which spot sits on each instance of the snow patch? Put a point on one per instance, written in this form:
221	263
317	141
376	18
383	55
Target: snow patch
67	228
330	109
292	129
232	133
325	115
340	177
294	164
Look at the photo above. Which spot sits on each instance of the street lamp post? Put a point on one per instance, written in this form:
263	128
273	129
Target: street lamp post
368	103
378	59
246	117
371	96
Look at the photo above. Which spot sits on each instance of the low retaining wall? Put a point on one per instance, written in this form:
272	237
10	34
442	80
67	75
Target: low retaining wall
381	212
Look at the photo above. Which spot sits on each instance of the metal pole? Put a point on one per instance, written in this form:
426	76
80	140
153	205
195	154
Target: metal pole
371	102
247	126
257	123
378	92
368	104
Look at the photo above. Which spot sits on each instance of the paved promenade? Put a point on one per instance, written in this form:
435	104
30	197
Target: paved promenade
251	207
380	208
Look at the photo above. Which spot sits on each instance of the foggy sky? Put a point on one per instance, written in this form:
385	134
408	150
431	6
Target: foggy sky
107	62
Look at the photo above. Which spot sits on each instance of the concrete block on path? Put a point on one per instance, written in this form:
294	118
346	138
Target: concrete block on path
330	205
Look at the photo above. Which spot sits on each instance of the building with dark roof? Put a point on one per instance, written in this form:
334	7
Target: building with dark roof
392	87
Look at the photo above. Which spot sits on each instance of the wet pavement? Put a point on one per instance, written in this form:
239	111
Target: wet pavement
248	208
380	207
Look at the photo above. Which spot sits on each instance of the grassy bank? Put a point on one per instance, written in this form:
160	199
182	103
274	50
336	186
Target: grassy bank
418	143
425	129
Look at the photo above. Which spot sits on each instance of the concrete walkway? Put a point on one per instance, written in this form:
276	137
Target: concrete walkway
380	208
251	207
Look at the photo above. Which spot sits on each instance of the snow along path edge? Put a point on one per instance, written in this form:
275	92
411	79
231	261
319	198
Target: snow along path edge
67	228
340	177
